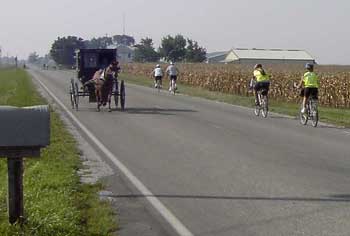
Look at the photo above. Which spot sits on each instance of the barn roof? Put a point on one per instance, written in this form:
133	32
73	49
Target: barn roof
217	54
271	54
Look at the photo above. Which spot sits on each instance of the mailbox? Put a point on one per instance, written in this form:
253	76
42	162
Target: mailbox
23	131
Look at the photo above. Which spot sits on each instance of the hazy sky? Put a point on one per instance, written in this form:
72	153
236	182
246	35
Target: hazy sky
319	26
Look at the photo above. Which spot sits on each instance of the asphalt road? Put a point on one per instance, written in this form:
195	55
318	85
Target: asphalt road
219	169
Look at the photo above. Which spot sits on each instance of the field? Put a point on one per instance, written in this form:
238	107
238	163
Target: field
229	84
56	203
234	79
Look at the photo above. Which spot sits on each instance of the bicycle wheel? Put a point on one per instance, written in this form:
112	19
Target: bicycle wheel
264	106
172	87
257	110
159	87
257	107
304	117
314	114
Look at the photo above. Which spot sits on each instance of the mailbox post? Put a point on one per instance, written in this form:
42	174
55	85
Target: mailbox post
23	132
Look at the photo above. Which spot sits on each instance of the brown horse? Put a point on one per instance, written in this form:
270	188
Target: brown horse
98	81
103	81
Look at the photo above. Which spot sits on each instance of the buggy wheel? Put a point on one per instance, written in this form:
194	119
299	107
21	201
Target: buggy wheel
73	93
116	94
72	100
265	108
122	95
76	95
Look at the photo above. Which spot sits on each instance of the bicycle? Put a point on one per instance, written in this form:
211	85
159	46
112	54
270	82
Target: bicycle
173	87
311	112
158	84
262	103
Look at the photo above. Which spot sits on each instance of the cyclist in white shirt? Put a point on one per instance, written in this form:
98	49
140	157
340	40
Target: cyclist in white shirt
158	76
172	72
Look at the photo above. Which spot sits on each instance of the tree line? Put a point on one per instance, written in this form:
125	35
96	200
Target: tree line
172	48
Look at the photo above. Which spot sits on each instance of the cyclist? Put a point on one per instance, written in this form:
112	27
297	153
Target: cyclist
311	84
172	72
158	76
262	81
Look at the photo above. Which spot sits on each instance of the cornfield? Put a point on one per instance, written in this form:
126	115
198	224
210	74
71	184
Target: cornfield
334	88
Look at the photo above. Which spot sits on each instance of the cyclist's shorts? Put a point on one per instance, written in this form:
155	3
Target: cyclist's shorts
173	77
264	85
313	92
158	78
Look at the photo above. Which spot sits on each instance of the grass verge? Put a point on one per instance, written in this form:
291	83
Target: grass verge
56	203
335	116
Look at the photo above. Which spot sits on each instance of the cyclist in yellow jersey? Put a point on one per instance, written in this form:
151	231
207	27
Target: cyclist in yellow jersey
311	84
262	81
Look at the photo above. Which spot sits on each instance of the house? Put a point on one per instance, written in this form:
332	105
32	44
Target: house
264	56
125	54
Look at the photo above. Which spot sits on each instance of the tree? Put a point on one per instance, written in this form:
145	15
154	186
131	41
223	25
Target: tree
195	53
145	51
99	43
124	39
63	49
173	48
33	57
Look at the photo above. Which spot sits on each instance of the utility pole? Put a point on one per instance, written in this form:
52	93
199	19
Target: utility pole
123	23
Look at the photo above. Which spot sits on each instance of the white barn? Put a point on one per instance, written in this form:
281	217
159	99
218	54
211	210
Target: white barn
264	56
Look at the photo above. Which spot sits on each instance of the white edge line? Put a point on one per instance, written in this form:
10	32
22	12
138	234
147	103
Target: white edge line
155	202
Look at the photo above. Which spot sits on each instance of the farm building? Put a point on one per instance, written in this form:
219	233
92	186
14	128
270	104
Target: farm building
125	53
264	56
216	57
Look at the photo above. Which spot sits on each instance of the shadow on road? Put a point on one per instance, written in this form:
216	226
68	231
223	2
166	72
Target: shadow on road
155	111
332	198
282	117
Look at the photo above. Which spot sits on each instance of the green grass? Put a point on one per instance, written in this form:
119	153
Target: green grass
335	116
56	203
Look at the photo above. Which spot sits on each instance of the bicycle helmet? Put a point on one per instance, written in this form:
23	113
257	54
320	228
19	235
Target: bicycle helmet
158	66
171	63
309	66
257	66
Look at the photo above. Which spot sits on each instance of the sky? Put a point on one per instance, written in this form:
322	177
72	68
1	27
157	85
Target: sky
320	27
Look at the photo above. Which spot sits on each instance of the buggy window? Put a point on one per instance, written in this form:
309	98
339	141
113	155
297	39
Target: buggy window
90	60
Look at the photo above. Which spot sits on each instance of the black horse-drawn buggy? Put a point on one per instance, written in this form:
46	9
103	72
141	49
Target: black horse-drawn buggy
92	66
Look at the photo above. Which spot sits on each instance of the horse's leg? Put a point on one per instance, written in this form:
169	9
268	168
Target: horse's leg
103	94
98	96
